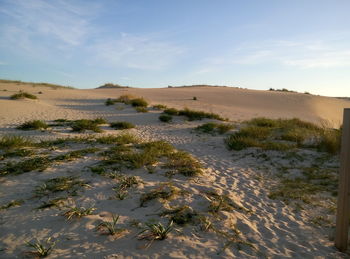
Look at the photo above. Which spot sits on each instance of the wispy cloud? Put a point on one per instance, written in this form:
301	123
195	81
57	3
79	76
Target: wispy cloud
141	52
302	54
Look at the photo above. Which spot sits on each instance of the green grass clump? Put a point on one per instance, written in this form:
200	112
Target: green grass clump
110	227
119	140
22	152
155	231
237	142
330	140
212	127
141	109
69	156
181	215
139	102
110	101
199	115
124	183
122	125
165	118
57	202
28	165
183	163
124	99
41	249
164	192
159	107
223	203
78	212
11	204
171	111
11	142
259	133
84	124
33	125
68	184
23	95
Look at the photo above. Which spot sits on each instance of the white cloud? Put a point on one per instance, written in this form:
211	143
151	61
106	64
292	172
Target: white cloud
301	54
140	52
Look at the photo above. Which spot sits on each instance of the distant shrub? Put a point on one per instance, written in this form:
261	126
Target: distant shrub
165	118
82	125
109	101
122	125
139	102
141	109
159	107
22	95
237	142
199	115
126	99
212	127
171	111
33	125
194	98
10	142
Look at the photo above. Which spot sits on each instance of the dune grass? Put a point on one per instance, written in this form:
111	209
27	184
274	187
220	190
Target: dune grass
269	134
165	118
78	212
41	249
141	109
23	95
213	128
192	115
11	142
11	204
28	165
139	102
165	191
85	124
121	125
33	125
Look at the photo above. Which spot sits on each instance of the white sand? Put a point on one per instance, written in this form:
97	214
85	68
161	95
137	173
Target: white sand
273	228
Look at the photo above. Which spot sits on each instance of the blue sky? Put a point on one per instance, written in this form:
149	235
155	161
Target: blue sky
303	45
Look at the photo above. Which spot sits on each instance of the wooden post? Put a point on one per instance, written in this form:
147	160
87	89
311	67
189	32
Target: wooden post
343	208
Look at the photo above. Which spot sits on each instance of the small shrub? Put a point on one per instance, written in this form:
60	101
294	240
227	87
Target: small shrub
156	231
122	125
164	192
263	122
183	163
37	163
141	109
109	101
110	228
83	125
165	118
139	102
22	95
194	98
41	249
33	125
171	111
78	212
237	142
199	115
330	141
11	204
212	127
125	99
11	142
159	107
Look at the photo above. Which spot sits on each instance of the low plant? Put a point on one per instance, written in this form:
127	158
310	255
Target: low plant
69	156
11	142
171	111
120	125
183	163
33	125
37	163
41	249
125	182
84	124
165	118
181	215
139	102
109	101
155	231
12	204
119	140
159	107
78	212
52	203
141	109
199	115
110	227
194	98
212	127
23	95
164	192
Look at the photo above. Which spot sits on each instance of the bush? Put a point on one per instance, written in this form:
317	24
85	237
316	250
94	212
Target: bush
22	95
126	99
212	127
33	125
122	125
159	107
10	142
141	109
194	98
171	111
82	125
198	115
109	101
139	102
237	142
165	118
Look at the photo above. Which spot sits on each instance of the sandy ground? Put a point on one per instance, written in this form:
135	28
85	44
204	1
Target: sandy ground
274	229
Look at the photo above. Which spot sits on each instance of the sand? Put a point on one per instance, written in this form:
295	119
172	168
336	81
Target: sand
267	228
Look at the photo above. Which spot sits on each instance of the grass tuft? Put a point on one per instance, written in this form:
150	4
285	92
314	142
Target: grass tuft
139	102
84	124
33	125
122	125
23	95
155	231
165	118
78	212
212	128
41	249
110	227
11	142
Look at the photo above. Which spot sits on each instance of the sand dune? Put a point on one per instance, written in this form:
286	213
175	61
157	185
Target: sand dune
253	225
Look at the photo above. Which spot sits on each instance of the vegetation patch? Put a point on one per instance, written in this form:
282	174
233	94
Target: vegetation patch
12	142
269	134
213	128
141	109
28	165
11	204
33	125
183	163
181	215
84	124
23	95
41	249
110	227
72	155
223	203
155	231
121	125
139	102
78	212
164	192
159	107
199	115
165	118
